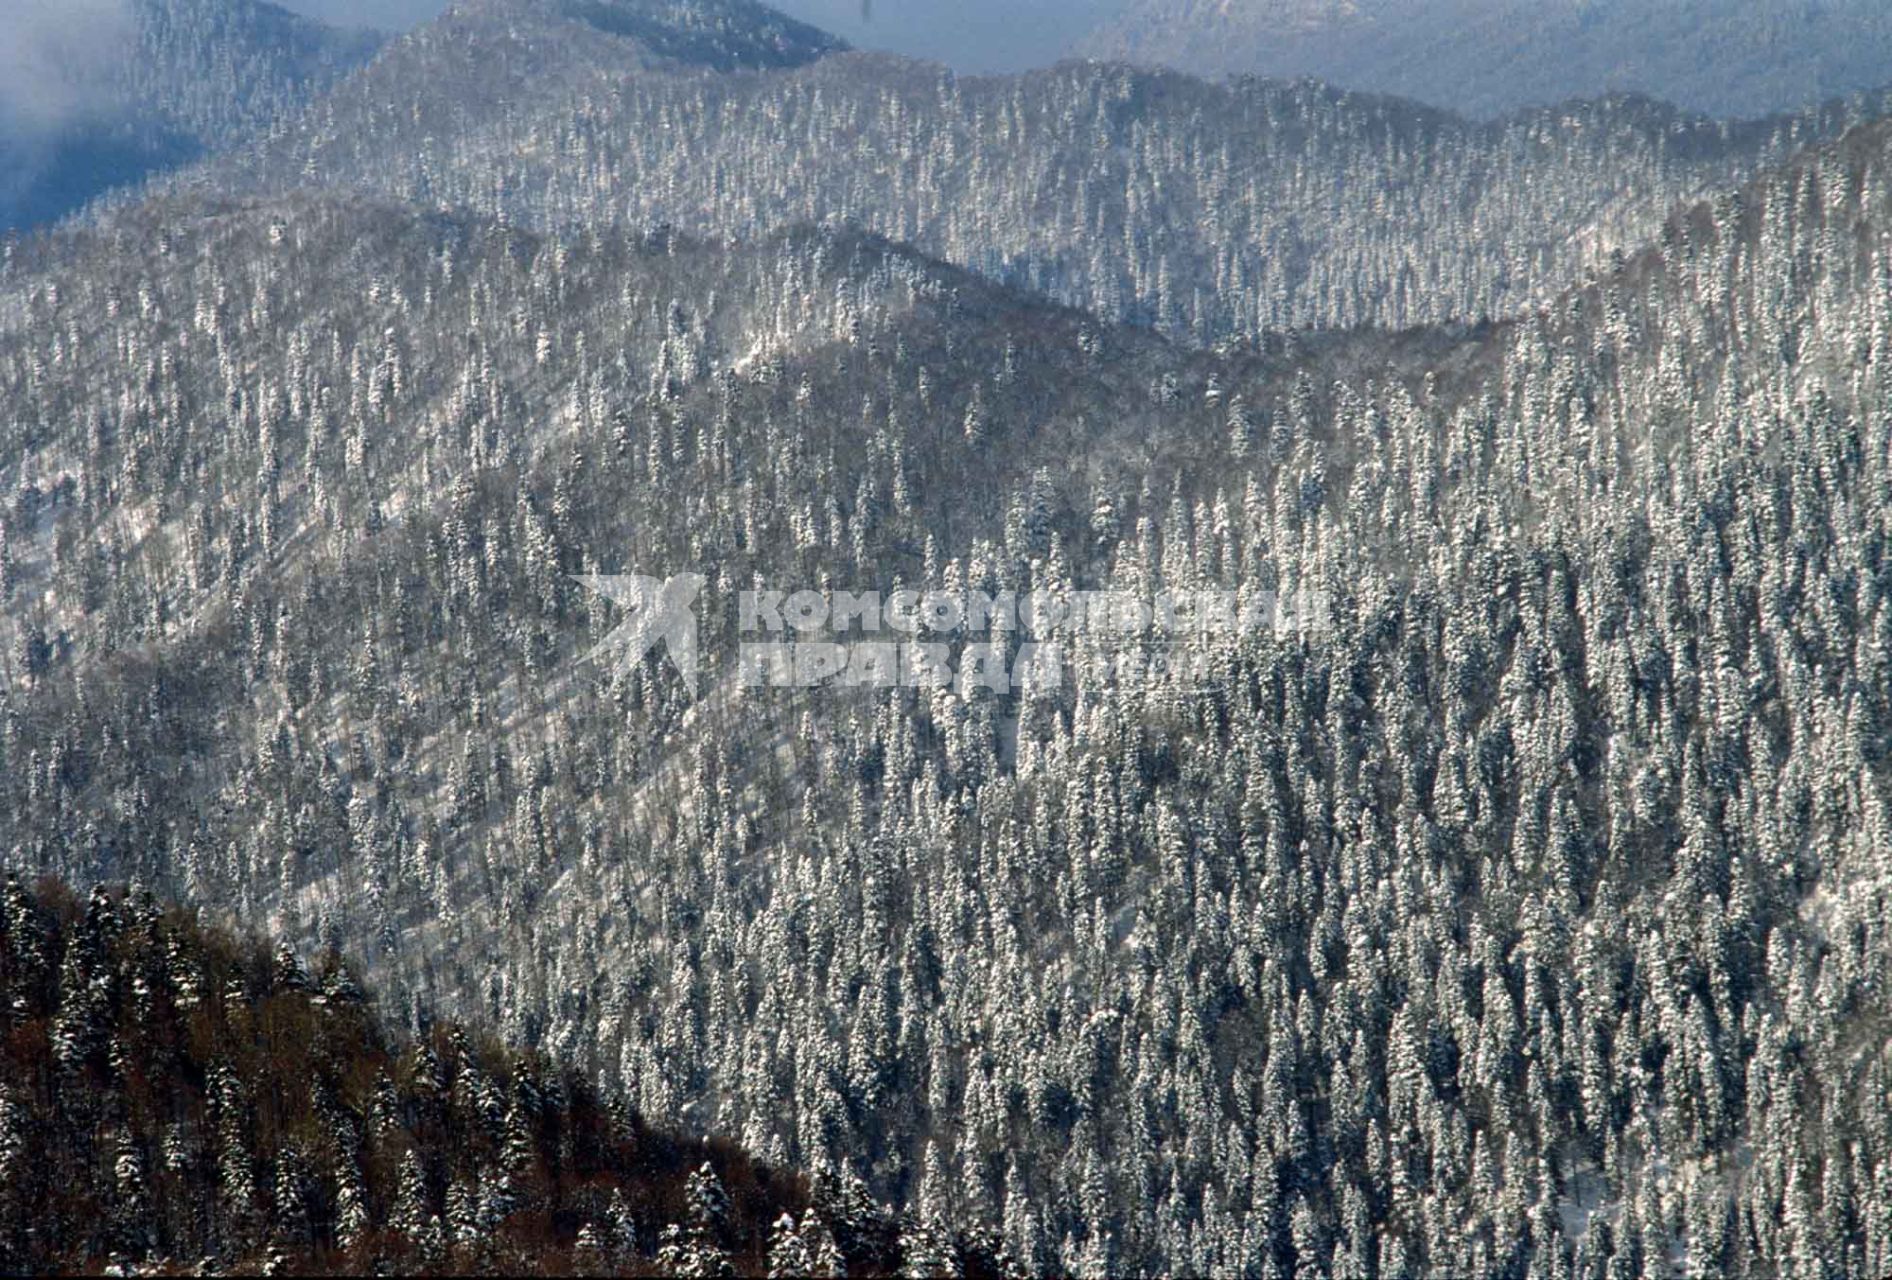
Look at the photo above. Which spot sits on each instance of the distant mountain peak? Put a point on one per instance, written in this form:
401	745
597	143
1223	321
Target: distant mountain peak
723	35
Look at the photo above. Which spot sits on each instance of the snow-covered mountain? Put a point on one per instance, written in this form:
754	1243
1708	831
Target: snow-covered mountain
1516	903
1208	211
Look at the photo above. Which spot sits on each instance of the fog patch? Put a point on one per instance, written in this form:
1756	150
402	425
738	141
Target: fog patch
57	59
59	70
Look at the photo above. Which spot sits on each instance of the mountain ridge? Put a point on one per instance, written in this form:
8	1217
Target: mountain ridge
1198	209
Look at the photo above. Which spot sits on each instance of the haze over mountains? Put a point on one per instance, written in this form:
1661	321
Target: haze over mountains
1735	58
974	37
1521	910
1731	58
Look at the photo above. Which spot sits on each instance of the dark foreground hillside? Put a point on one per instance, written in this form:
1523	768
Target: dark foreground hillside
172	1100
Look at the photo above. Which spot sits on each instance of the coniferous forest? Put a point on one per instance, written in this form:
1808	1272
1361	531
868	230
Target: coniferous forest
1518	907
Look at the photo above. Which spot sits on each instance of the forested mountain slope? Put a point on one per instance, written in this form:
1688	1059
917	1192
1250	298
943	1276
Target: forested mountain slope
146	86
485	61
176	1098
222	69
1486	57
1526	915
1207	211
493	454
